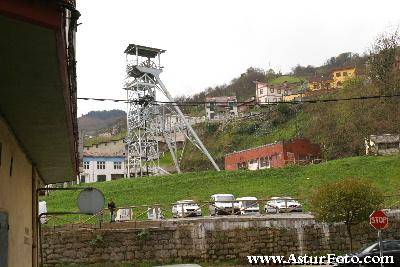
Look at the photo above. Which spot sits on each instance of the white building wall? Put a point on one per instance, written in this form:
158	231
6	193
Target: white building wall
91	174
268	94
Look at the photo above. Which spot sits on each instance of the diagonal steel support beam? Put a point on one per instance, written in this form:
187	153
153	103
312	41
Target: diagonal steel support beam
178	110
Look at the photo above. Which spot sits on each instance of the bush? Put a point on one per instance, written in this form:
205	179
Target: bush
350	200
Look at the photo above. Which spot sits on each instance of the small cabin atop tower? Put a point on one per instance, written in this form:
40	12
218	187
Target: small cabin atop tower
139	55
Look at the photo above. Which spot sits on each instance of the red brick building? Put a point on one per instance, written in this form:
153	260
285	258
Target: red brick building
279	154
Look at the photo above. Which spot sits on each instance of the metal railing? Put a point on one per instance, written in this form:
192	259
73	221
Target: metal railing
178	210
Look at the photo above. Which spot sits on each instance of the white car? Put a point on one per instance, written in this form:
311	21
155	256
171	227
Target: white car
223	204
186	208
123	215
282	204
248	205
155	214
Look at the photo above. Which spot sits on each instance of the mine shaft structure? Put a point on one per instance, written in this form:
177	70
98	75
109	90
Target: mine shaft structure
150	123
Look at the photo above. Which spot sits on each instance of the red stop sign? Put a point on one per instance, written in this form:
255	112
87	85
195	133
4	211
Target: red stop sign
379	220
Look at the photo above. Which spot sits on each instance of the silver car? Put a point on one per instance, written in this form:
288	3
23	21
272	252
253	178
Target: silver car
186	208
282	204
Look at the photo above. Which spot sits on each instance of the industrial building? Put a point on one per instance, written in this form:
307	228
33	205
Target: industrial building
275	155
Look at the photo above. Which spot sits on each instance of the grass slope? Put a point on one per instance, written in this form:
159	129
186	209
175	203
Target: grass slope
298	181
286	78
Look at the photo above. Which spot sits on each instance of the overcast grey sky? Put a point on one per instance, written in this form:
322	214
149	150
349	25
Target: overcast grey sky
210	42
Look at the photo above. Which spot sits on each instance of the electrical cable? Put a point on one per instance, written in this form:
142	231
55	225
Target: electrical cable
244	103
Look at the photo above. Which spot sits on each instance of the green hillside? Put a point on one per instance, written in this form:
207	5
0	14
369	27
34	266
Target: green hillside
297	181
286	78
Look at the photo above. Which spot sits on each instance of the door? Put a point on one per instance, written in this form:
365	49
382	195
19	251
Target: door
101	178
3	239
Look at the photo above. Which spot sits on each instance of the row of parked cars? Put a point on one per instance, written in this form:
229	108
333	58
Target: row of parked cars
227	204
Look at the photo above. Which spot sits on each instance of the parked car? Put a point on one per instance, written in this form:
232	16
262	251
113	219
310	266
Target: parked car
248	205
223	204
282	204
390	248
186	208
42	209
124	214
155	214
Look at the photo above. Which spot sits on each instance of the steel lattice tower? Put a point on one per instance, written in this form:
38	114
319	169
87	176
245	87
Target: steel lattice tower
149	123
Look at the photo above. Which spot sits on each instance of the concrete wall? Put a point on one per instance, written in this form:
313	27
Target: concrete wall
203	240
17	198
111	148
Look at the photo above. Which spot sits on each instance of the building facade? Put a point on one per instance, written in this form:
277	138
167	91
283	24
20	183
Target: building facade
111	148
334	80
104	161
38	127
275	155
103	168
266	93
221	107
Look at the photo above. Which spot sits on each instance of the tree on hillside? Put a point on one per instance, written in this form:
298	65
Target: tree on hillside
350	200
341	127
345	60
301	71
381	61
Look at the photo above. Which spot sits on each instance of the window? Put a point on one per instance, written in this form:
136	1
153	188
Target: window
264	162
83	178
211	105
101	178
286	92
344	73
279	91
116	176
117	165
101	165
271	90
105	144
338	74
261	91
97	146
242	165
86	165
87	148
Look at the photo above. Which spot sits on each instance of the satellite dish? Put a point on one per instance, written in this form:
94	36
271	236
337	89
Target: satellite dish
91	200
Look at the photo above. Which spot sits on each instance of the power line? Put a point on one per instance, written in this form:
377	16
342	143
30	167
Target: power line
245	103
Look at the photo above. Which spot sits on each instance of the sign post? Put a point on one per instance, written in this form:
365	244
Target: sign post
379	220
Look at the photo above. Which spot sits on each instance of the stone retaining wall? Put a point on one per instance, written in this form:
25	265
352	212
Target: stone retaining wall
202	240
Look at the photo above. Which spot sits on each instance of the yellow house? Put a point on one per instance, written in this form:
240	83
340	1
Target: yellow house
320	83
335	80
340	75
